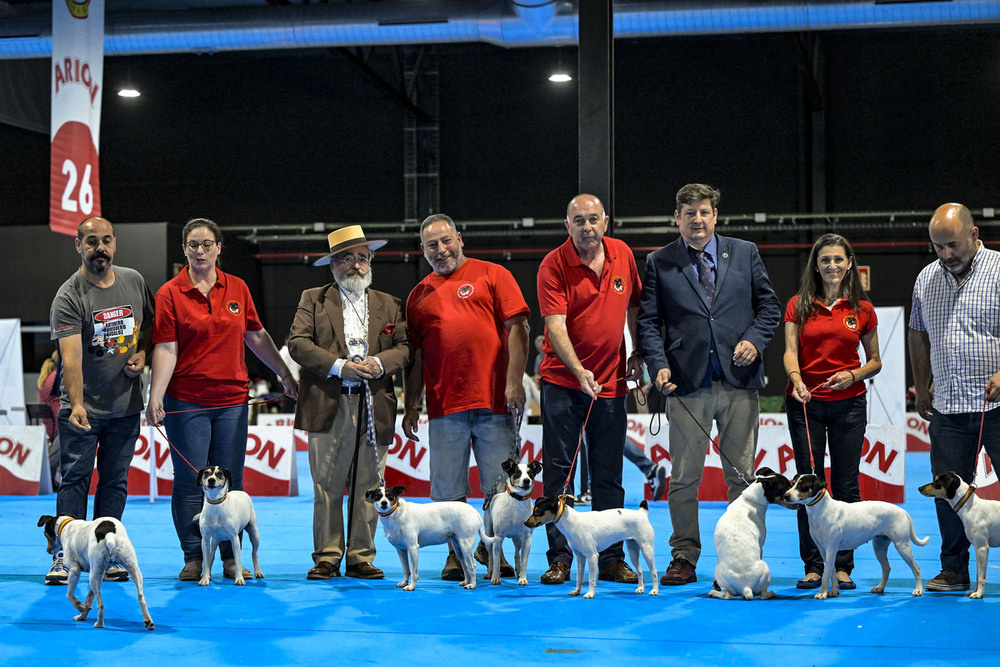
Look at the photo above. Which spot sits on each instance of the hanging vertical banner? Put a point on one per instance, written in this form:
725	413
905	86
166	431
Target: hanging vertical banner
77	87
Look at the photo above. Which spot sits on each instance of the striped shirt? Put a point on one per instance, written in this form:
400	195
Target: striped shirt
962	321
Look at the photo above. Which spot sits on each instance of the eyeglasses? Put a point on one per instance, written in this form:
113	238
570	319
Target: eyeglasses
349	260
194	245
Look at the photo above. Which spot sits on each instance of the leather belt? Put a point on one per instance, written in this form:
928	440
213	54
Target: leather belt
351	390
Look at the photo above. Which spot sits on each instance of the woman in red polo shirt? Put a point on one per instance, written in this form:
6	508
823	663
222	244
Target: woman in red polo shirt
824	323
199	385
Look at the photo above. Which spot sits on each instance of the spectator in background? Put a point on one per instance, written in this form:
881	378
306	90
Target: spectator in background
48	393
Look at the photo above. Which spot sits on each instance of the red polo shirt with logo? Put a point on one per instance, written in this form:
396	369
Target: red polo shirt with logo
211	366
456	321
595	310
828	343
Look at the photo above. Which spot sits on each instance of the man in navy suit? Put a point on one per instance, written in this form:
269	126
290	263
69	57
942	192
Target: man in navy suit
706	314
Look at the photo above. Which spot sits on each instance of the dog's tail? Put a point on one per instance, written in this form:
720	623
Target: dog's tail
916	540
105	534
487	540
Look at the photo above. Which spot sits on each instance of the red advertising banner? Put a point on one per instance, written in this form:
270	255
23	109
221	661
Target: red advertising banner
77	86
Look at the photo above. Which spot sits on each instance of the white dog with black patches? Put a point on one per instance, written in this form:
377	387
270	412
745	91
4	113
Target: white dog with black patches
223	515
739	539
91	546
506	514
980	518
589	533
835	525
409	526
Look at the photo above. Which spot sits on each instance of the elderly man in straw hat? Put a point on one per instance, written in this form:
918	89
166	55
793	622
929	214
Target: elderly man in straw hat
345	336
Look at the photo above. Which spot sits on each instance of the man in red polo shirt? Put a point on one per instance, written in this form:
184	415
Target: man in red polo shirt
588	291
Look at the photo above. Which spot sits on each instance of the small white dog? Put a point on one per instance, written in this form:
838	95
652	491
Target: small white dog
409	526
505	516
835	525
223	515
980	517
588	533
739	539
91	546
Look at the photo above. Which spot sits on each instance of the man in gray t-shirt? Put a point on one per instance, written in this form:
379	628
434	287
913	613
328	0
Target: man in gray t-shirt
102	319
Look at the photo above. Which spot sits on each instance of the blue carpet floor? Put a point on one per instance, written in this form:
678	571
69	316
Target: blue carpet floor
286	620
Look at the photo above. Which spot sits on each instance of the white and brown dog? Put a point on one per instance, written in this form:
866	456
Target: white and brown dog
409	526
223	515
508	509
835	525
980	517
91	546
589	533
739	539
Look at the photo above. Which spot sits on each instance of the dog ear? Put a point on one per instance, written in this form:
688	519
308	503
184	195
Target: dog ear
229	477
508	465
535	467
44	519
396	491
371	495
201	476
765	472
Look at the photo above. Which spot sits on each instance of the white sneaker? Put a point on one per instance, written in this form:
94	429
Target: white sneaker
116	573
58	573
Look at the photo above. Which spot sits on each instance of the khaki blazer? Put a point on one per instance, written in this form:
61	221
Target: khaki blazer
317	340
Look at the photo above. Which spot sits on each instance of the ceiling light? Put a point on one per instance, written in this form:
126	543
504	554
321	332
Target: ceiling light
128	92
560	77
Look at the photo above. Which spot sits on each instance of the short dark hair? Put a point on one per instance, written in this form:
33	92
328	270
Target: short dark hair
431	219
195	223
692	193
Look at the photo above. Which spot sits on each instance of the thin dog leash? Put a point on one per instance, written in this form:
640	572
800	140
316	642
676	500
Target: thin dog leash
979	441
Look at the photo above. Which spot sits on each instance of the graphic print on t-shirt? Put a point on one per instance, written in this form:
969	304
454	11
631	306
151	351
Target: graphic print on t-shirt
114	331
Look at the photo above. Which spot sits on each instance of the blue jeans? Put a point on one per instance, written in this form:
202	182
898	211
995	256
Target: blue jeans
218	437
953	448
563	412
841	423
493	441
112	442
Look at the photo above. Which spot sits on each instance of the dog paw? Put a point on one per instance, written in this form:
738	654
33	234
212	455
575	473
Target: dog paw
918	592
655	591
240	581
522	582
80	617
878	590
640	590
402	584
409	587
576	592
204	581
469	587
258	574
767	595
588	595
495	582
820	596
149	624
975	595
99	624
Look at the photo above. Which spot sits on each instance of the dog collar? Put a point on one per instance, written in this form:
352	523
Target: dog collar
562	507
965	498
63	525
392	509
822	492
219	501
517	496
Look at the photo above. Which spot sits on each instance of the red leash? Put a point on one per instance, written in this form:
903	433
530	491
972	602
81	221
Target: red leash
979	441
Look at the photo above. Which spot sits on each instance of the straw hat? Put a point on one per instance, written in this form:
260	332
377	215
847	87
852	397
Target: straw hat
347	237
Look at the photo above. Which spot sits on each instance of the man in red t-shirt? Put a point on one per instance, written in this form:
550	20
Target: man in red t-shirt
588	292
468	324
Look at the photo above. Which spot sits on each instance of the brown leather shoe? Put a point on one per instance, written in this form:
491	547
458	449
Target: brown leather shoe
229	570
191	571
452	569
364	571
483	557
620	573
679	573
556	574
324	569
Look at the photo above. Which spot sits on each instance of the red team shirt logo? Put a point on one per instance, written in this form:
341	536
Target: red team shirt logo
851	322
465	291
234	307
619	284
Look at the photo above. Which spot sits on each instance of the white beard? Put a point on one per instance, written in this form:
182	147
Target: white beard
355	283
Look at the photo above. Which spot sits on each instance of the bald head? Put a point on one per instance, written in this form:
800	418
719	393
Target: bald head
954	237
586	223
583	200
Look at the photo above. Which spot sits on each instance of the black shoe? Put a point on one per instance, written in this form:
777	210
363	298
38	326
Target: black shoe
556	574
948	582
808	584
848	585
620	573
657	481
679	573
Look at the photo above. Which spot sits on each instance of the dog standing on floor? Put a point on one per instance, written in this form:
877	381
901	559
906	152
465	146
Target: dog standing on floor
588	533
409	526
980	518
223	515
739	539
506	514
835	525
91	546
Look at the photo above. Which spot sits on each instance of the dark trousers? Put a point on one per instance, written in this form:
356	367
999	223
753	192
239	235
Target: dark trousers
563	412
953	448
841	424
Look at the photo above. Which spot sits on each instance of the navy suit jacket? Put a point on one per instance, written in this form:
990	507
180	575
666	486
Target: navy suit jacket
676	325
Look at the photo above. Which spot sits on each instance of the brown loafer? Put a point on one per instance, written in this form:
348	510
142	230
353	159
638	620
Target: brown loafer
229	570
556	574
452	569
191	571
620	573
679	573
324	569
364	571
483	556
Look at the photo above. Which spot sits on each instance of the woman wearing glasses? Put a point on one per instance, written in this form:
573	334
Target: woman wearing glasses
199	385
